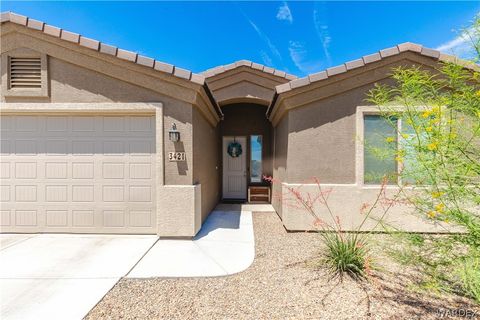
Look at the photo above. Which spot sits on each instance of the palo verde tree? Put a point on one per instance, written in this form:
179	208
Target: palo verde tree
437	149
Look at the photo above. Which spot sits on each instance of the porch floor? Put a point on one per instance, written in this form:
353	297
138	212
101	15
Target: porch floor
253	207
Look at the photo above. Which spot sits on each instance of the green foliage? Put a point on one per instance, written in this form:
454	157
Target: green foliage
346	254
438	153
469	275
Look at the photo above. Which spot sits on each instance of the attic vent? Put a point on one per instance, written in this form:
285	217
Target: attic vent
25	72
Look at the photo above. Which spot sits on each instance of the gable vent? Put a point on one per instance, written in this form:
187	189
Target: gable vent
25	72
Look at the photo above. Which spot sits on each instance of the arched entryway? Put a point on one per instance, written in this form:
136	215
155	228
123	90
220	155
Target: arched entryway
245	125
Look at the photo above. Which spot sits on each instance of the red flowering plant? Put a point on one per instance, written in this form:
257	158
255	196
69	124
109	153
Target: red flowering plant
347	251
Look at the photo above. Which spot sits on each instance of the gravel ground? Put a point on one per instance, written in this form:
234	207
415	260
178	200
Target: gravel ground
282	283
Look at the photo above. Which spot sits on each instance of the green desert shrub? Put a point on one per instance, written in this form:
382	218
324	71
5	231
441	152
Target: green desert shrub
469	276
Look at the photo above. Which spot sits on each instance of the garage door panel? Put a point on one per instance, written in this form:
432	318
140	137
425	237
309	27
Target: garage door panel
56	124
56	170
84	174
113	170
5	218
56	218
83	170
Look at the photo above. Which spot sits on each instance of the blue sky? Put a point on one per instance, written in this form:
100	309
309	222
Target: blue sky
298	37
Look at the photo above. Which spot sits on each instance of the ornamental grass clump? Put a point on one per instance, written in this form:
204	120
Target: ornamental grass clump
345	254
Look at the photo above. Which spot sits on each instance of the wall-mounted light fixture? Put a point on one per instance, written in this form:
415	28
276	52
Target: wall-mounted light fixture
174	134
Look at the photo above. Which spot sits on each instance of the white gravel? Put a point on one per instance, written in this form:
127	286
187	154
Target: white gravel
281	284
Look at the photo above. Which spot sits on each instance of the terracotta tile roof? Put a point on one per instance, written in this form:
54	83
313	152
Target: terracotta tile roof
245	63
101	47
294	82
403	47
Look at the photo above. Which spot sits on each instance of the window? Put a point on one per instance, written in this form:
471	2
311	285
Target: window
380	138
256	159
411	143
394	148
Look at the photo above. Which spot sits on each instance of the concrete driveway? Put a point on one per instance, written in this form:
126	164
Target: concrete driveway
63	276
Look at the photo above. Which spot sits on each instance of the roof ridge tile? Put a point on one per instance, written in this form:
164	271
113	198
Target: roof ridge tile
103	48
370	58
249	64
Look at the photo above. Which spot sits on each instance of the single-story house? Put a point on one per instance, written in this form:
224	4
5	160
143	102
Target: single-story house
97	139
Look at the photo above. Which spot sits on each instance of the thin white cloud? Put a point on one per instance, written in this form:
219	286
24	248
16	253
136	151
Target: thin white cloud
266	58
299	56
461	46
321	27
266	39
284	13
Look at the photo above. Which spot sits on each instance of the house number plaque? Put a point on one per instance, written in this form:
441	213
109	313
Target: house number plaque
176	156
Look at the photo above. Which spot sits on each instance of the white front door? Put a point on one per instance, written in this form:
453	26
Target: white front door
235	170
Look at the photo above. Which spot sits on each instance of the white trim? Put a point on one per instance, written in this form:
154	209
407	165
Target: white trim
360	145
120	107
160	150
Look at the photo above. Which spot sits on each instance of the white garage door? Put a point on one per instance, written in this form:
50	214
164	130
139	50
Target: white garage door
82	174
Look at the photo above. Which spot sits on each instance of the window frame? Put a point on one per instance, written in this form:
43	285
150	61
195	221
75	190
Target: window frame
363	111
250	182
41	92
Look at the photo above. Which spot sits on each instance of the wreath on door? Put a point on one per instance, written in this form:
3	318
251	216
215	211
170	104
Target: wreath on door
234	149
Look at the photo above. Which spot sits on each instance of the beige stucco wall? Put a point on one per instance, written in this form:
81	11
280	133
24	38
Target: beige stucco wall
280	147
322	133
322	139
78	75
238	91
319	133
346	201
244	84
69	83
180	207
206	162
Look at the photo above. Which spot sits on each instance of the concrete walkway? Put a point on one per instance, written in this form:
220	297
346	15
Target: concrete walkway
62	276
224	246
